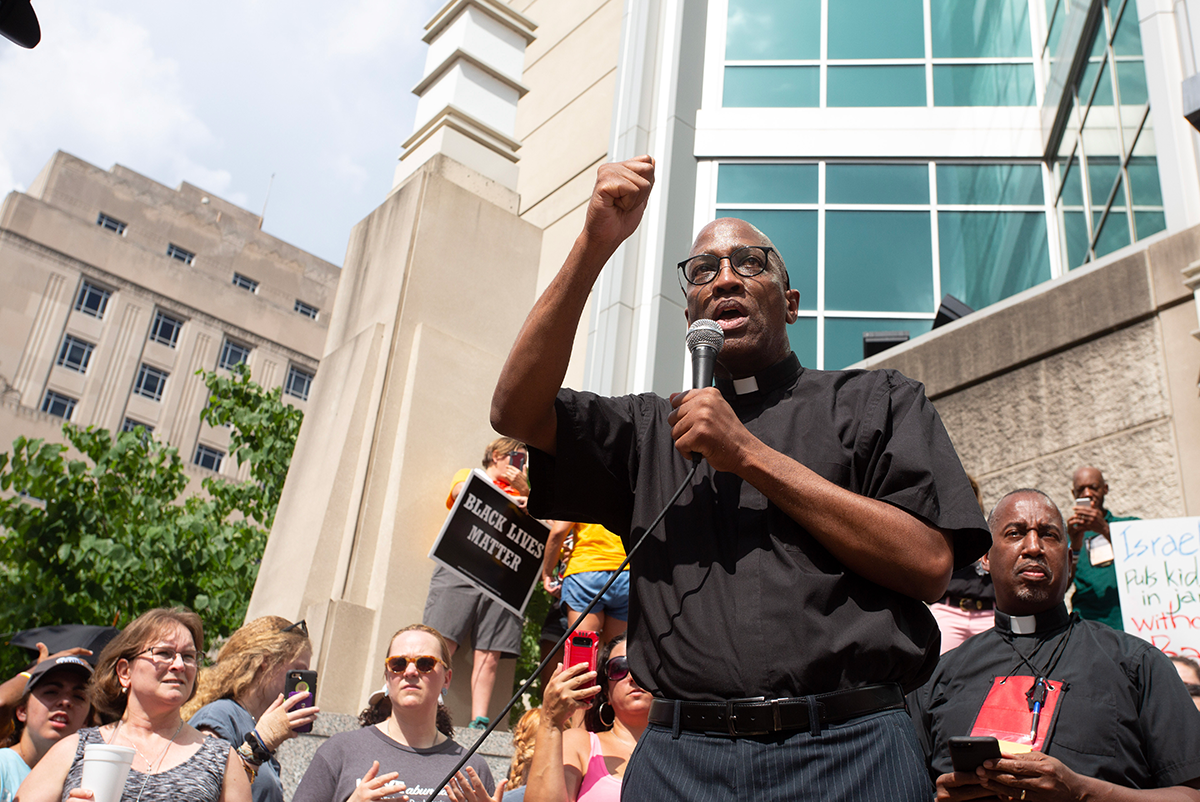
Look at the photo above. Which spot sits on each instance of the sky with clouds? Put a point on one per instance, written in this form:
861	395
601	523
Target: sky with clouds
221	95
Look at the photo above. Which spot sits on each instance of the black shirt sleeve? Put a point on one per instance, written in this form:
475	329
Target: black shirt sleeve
906	459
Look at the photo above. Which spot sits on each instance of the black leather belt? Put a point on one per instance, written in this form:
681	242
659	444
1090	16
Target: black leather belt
761	716
966	603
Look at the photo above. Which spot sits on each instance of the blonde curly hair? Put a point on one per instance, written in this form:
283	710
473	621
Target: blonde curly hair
253	651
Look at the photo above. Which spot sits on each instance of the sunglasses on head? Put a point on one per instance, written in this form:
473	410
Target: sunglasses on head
424	663
617	668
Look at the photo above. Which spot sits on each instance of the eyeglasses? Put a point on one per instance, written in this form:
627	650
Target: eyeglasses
299	626
165	656
705	267
617	668
425	663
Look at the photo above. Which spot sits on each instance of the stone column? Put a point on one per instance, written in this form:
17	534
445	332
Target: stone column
436	283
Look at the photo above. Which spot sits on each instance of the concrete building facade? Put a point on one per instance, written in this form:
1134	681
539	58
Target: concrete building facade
118	289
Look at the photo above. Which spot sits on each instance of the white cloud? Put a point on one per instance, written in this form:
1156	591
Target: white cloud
95	87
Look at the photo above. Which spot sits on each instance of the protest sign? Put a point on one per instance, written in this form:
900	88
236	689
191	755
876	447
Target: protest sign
1157	579
490	541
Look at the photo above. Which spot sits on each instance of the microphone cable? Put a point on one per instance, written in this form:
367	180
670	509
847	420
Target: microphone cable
570	630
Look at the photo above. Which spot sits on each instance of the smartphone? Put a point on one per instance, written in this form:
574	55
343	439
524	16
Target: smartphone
517	460
300	682
1083	502
581	647
967	752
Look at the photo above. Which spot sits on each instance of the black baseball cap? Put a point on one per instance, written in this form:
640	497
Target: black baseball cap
71	662
19	23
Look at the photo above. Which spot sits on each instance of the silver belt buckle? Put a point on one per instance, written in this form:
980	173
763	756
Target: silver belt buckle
731	717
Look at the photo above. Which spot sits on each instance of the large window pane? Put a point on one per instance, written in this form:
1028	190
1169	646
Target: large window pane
878	261
1072	183
1148	223
1131	83
771	87
1128	40
1143	180
1056	17
989	183
876	86
1076	233
876	29
1102	174
803	338
1114	234
876	183
767	183
773	29
843	336
983	85
1096	72
988	256
795	235
990	28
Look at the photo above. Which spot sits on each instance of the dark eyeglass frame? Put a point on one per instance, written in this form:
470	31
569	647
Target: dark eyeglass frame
617	668
685	280
299	626
400	664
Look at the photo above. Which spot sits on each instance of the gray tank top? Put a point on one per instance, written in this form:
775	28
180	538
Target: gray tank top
197	779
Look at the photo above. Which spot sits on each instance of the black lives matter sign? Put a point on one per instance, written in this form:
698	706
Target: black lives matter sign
490	541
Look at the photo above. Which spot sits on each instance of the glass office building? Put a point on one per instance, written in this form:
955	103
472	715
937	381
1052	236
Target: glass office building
896	151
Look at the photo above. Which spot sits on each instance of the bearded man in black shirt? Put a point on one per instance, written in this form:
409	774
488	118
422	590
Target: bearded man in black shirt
1105	713
776	615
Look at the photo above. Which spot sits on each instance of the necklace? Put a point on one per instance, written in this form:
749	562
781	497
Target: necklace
150	765
151	768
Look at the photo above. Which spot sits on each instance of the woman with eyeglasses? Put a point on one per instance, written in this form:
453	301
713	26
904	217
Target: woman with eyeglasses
405	745
574	765
142	680
241	698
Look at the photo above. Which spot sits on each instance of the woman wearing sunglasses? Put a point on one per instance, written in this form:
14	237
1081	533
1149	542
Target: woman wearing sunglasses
406	748
578	766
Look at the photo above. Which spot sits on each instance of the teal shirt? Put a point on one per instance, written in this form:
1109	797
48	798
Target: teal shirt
12	771
1096	597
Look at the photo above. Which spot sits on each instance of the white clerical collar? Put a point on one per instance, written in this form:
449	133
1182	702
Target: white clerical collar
1050	620
746	385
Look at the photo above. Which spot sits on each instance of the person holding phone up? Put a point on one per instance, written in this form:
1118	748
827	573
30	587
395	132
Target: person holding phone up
1096	597
1081	711
587	765
241	698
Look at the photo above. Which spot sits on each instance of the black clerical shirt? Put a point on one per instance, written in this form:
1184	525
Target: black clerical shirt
730	597
1124	715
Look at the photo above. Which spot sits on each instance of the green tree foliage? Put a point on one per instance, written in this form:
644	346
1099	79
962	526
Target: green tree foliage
101	538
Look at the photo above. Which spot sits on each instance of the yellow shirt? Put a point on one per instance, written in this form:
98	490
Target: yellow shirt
596	549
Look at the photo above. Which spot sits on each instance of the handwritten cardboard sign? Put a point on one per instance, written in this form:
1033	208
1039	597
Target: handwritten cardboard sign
1158	578
490	541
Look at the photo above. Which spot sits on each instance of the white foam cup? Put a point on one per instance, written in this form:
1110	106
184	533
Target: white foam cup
105	768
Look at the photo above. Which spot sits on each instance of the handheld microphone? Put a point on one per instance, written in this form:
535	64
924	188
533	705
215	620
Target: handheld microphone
704	341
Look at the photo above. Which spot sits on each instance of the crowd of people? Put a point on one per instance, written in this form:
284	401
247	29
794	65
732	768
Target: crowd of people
823	613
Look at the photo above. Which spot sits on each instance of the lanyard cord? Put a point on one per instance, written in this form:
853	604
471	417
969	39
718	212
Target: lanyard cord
1055	654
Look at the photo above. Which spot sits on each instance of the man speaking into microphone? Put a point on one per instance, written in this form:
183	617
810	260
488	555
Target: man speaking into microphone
776	613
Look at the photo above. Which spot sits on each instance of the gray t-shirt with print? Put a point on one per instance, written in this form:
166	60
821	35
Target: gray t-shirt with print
341	762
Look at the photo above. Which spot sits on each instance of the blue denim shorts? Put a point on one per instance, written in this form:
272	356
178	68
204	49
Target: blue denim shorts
578	590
